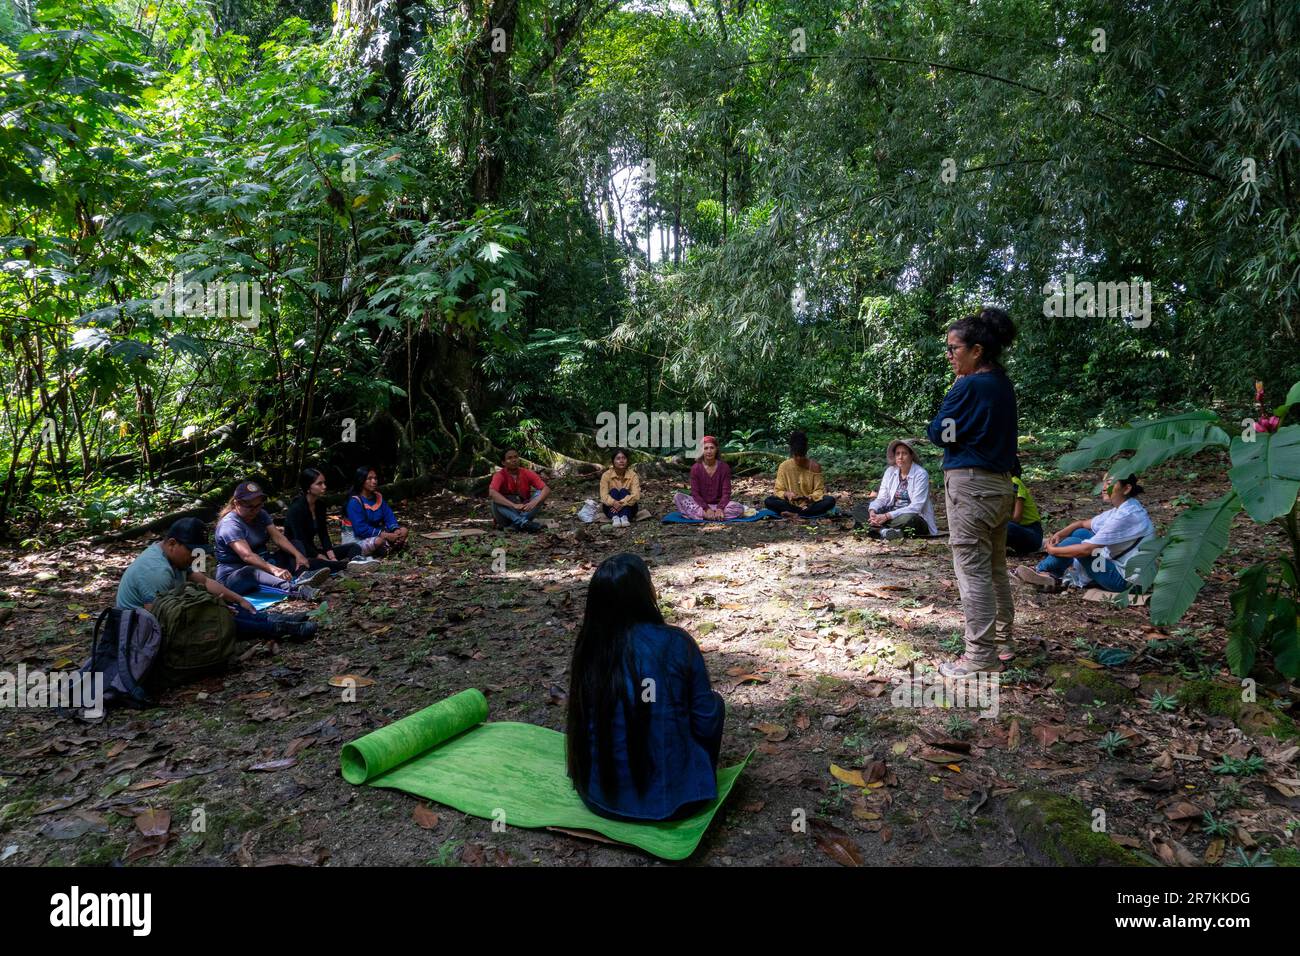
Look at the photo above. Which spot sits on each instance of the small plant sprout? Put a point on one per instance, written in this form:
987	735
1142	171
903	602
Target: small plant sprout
1215	827
957	726
1110	742
1159	702
1239	767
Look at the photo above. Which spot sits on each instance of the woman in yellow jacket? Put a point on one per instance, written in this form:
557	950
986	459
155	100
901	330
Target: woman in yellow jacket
620	491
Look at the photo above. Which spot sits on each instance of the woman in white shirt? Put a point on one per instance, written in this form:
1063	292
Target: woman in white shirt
902	504
1092	552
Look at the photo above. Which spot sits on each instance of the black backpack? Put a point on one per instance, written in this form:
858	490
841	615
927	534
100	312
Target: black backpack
125	646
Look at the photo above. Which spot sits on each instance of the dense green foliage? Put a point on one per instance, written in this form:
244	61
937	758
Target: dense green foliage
481	224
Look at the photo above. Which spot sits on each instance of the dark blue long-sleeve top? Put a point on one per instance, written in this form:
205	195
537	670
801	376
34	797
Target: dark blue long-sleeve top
984	425
370	516
685	733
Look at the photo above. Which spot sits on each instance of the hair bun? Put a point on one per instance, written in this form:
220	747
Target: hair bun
999	325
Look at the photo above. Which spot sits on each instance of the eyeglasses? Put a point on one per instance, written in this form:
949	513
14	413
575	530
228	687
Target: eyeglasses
952	348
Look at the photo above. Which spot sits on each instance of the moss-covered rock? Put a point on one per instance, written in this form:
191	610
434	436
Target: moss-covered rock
1224	700
1285	856
1057	830
1066	677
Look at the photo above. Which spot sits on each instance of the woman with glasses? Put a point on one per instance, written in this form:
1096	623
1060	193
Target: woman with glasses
976	427
244	560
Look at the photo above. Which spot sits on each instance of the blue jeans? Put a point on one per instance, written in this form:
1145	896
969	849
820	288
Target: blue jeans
624	511
510	518
1110	579
1024	538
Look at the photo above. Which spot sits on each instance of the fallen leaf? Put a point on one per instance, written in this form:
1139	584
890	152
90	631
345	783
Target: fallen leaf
836	844
270	765
424	818
154	823
1013	735
851	777
772	732
342	680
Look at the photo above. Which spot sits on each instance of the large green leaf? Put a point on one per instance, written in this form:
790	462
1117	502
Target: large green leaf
1197	537
1155	451
1136	434
1284	638
1251	606
1266	472
1140	568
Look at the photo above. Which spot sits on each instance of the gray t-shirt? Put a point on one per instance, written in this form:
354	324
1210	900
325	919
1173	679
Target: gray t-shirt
233	528
148	576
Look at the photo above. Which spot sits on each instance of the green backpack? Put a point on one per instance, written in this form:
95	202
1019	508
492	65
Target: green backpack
198	635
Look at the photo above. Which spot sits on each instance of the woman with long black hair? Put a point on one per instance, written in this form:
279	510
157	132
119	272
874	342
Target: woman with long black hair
309	528
644	724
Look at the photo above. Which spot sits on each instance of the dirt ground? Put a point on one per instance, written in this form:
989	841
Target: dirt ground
806	630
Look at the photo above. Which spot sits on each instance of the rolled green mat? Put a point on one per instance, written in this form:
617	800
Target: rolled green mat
381	750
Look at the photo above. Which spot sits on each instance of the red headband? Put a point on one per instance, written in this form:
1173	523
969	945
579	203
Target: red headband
709	438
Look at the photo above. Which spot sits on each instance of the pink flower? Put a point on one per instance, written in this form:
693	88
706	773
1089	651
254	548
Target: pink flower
1267	424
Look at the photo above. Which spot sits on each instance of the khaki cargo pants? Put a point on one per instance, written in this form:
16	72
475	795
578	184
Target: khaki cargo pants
979	506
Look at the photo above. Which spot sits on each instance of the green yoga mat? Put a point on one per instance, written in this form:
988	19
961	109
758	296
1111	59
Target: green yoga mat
448	754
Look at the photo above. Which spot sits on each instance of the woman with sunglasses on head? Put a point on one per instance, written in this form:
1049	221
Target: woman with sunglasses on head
977	429
644	725
245	563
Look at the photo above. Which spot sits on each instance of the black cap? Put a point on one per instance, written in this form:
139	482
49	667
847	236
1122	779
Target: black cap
190	532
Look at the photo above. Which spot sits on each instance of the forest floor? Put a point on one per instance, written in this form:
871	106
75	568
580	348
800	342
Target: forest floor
806	630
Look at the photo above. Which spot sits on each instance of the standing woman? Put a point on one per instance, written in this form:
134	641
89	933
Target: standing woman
977	428
710	497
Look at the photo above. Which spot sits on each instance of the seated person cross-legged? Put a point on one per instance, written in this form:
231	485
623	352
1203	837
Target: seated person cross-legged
710	497
374	526
1092	552
620	491
517	495
644	726
245	562
1025	530
902	505
800	487
308	526
169	563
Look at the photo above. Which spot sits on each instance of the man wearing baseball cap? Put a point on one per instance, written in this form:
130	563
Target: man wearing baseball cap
170	562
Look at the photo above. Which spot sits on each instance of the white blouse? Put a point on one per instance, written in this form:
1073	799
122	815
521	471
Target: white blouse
918	490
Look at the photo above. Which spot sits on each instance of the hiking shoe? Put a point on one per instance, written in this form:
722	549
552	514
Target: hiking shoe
311	578
965	667
1037	579
305	592
362	565
1006	651
891	534
298	632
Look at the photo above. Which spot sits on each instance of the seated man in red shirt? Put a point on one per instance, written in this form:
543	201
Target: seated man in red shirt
517	495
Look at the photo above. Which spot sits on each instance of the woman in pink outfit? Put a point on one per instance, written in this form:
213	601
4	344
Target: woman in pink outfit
710	497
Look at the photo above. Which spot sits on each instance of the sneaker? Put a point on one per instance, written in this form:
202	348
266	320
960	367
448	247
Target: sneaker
965	667
532	527
1037	579
1006	651
891	534
312	579
362	565
305	592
